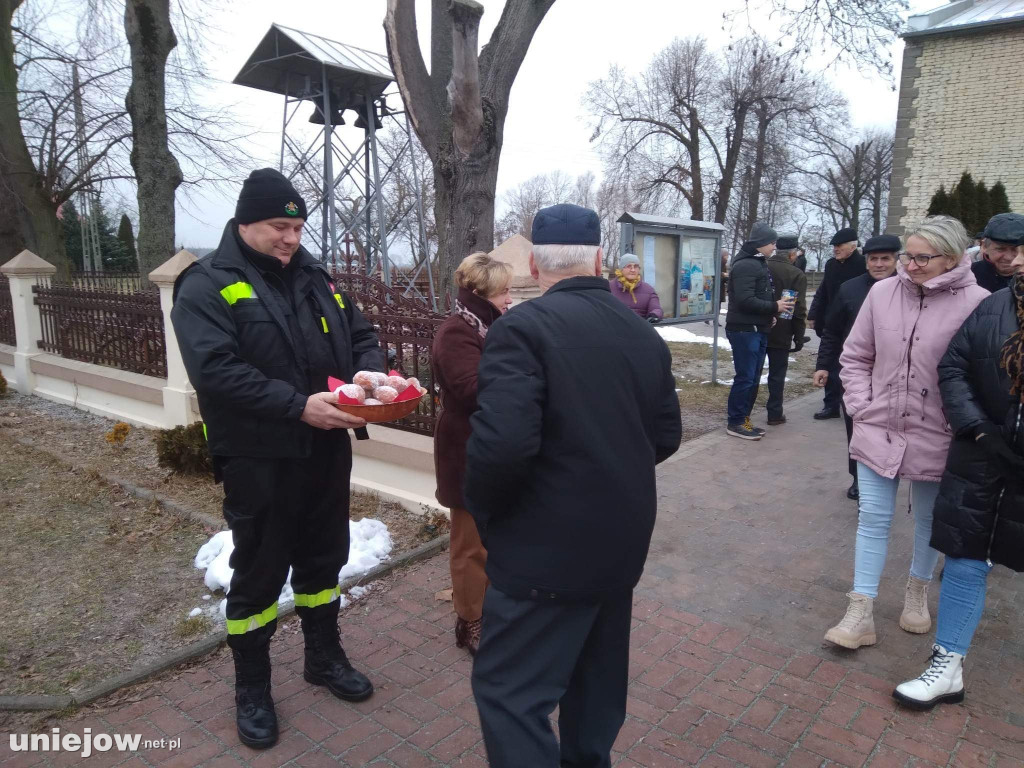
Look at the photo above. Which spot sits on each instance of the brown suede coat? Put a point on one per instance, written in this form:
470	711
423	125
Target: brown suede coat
454	358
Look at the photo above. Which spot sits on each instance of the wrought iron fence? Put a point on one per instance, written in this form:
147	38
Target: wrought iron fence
104	318
6	312
406	328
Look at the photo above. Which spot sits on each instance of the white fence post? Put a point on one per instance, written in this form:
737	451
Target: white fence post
24	271
178	392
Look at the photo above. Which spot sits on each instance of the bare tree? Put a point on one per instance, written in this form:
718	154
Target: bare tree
856	30
458	109
40	229
843	173
147	25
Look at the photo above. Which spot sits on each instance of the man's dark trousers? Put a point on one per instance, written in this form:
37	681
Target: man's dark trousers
849	436
778	365
285	512
535	654
833	392
748	354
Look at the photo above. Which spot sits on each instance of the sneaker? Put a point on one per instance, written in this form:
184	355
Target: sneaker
749	425
742	431
941	683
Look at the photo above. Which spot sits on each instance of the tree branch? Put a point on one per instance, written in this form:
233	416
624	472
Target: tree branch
411	73
501	58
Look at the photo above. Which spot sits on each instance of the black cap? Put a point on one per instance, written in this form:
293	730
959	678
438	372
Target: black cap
979	235
845	235
1006	228
787	242
878	243
566	224
267	194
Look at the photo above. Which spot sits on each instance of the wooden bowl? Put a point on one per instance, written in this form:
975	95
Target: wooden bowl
378	413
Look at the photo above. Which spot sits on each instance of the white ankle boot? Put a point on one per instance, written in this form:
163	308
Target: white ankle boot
916	617
941	683
857	627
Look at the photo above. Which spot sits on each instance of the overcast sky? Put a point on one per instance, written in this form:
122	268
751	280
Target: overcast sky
546	128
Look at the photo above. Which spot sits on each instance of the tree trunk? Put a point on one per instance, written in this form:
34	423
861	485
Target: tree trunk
732	157
147	25
40	229
754	201
697	186
458	110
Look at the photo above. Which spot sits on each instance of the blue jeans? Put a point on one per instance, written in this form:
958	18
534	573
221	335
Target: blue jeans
877	507
961	602
748	351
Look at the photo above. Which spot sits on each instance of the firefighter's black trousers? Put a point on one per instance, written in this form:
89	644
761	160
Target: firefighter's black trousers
285	512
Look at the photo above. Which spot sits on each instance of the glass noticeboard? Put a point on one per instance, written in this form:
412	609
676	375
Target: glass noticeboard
698	269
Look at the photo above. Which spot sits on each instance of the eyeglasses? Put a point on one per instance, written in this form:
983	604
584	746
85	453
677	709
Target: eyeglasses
921	259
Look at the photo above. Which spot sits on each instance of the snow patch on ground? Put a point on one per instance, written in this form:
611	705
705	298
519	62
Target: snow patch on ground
370	545
677	334
728	382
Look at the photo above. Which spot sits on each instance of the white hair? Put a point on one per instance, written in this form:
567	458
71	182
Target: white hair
564	258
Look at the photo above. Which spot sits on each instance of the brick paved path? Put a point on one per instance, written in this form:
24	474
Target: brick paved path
727	667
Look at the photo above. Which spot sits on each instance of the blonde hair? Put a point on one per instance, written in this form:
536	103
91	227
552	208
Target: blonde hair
943	233
483	275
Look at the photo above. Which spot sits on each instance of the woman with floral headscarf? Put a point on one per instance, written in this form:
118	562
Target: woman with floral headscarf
631	290
979	513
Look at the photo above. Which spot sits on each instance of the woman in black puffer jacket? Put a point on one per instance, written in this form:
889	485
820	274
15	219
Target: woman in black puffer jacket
979	514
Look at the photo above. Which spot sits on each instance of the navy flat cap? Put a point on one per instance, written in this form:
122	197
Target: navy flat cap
1006	228
878	243
566	224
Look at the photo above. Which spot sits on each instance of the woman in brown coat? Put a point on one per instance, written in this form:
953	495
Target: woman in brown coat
483	297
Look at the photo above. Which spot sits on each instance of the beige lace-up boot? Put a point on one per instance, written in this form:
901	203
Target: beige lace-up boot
857	627
915	616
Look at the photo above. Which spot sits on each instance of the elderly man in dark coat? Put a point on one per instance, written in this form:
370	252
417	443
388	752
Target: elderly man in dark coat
847	262
996	269
576	404
787	335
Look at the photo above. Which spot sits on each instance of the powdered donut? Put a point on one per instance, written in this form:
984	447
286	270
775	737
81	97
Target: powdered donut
354	391
365	379
385	394
412	381
372	401
397	382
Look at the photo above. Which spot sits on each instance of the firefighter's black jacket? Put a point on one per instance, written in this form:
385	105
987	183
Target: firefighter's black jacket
257	339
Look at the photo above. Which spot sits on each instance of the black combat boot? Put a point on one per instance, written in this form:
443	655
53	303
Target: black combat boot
254	707
326	662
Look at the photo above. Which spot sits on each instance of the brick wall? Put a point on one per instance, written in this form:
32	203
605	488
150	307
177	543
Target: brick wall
961	108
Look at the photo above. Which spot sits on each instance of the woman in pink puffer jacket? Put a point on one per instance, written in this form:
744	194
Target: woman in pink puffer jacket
890	374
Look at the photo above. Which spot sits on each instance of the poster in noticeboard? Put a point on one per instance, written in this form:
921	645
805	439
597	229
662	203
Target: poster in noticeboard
697	277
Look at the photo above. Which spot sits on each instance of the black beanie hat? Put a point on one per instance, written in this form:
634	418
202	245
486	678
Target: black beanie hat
847	235
267	194
761	234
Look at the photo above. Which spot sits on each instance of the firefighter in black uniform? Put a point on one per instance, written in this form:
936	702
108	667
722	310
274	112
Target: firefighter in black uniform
261	327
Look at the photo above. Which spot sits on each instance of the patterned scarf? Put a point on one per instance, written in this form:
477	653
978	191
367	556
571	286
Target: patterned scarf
474	322
1013	350
627	284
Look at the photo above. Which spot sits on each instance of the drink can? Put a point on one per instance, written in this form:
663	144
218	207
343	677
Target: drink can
787	293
